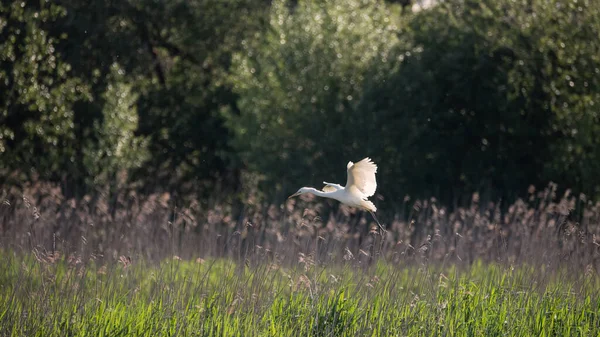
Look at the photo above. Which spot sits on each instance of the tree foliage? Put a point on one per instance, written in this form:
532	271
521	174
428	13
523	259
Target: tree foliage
38	92
494	96
185	95
116	148
299	84
67	100
470	95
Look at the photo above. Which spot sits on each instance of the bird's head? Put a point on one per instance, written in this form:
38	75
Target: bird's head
300	192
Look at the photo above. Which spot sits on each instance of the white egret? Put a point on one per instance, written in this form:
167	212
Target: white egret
359	187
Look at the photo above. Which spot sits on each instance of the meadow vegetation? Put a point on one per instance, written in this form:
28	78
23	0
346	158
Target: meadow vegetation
149	269
60	296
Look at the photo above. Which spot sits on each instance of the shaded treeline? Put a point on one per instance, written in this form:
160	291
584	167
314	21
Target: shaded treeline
197	98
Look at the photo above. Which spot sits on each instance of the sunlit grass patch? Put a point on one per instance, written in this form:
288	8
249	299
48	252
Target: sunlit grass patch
219	297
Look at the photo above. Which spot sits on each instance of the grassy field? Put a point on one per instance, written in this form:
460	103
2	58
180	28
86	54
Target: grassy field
297	269
55	296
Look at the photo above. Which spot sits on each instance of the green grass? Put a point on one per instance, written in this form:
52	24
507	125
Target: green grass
220	298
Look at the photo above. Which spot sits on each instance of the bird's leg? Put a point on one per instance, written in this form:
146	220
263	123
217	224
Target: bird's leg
383	230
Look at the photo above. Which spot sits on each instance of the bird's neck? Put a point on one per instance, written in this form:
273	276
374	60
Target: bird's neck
320	193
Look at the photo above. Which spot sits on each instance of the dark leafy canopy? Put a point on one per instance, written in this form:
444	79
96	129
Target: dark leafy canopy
478	95
495	96
145	77
300	83
176	53
466	95
181	112
37	91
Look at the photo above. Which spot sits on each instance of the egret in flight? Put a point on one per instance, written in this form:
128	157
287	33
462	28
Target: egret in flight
359	187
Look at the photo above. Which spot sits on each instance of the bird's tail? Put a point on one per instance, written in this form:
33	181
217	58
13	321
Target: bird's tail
369	206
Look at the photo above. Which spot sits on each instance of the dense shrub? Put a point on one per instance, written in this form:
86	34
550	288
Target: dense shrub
185	96
469	95
494	96
38	92
299	84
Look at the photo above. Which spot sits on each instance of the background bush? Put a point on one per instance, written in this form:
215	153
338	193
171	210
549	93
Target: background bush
493	96
204	97
299	84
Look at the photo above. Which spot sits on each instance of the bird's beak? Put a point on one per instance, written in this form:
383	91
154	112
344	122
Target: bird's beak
293	195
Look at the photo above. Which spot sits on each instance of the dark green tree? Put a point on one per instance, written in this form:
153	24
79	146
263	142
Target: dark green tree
39	93
179	108
299	83
469	96
493	96
107	75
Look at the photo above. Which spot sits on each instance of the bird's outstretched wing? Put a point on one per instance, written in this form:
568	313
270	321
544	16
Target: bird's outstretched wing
362	177
329	187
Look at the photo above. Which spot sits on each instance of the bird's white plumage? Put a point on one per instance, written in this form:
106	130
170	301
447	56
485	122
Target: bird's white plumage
361	184
329	187
361	176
